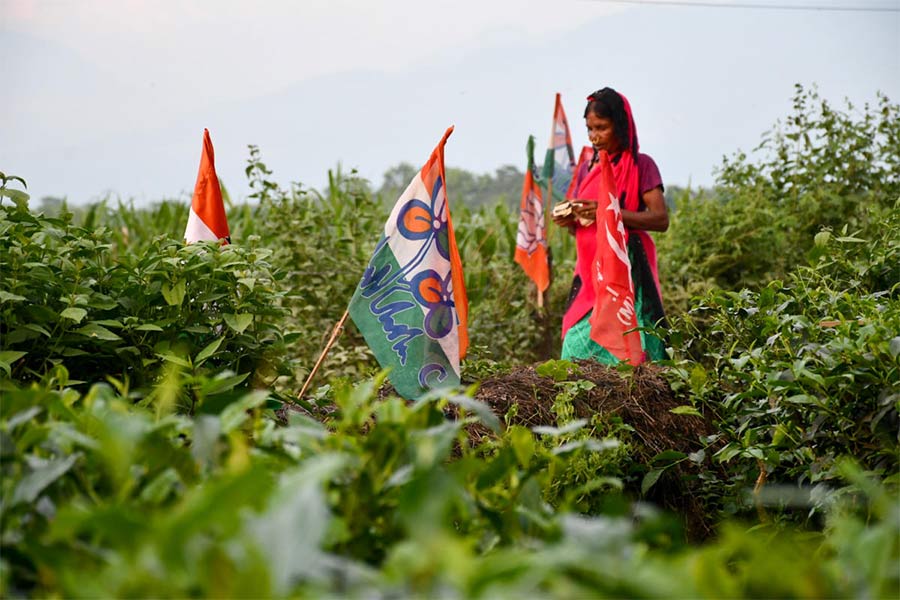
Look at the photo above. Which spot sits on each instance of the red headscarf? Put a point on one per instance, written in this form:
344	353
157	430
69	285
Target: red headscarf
586	186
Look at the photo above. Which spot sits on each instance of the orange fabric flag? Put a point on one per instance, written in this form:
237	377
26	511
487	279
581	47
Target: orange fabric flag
531	239
207	221
613	320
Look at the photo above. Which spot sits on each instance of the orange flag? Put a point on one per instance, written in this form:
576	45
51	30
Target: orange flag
531	239
207	220
614	313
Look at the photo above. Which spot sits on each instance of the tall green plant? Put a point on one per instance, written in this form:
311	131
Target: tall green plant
823	167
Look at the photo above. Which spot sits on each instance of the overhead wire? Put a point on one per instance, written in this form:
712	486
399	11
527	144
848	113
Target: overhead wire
760	5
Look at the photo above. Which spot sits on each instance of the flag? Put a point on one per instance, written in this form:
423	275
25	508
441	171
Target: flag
559	162
531	240
614	313
207	221
410	304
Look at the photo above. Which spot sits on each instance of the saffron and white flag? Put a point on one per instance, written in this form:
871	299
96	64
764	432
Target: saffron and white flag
559	162
207	221
531	238
410	304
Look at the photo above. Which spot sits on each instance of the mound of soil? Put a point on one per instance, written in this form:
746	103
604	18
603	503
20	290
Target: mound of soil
641	398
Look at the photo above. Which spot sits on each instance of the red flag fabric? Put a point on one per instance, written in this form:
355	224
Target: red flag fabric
531	239
614	313
207	221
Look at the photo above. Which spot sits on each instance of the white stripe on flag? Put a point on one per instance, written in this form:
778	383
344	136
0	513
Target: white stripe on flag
197	230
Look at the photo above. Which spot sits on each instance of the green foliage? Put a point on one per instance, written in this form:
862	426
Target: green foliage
146	449
806	370
823	168
18	197
71	298
104	498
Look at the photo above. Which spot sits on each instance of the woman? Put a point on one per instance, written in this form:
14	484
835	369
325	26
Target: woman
640	189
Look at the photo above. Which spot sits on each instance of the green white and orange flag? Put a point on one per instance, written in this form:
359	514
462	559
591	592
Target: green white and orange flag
531	239
559	162
207	221
410	304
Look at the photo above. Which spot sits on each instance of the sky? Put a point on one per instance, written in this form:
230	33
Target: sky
109	98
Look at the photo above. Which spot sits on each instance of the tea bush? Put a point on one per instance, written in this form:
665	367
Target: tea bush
823	168
803	371
71	298
101	497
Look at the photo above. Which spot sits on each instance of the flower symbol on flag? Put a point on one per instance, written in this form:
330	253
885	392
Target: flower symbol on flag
435	295
420	221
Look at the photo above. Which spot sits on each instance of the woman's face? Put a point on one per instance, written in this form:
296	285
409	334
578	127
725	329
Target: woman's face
601	133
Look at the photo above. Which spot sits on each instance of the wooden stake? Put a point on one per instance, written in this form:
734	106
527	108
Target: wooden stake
334	334
550	204
540	299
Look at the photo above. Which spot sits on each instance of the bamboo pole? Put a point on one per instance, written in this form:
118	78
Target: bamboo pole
334	334
548	210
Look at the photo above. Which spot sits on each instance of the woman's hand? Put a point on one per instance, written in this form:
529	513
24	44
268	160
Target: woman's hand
564	221
585	211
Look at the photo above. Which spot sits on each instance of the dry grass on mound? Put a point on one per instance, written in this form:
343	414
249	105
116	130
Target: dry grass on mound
642	399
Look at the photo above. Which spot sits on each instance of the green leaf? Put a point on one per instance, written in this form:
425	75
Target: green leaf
74	313
19	197
159	489
558	431
222	383
668	456
728	452
92	330
109	323
895	346
174	294
755	452
589	444
38	329
236	413
7	297
522	442
34	483
172	358
650	480
238	322
558	370
148	327
11	356
698	379
685	410
821	238
208	351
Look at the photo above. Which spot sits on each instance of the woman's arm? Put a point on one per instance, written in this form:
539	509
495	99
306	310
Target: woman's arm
654	218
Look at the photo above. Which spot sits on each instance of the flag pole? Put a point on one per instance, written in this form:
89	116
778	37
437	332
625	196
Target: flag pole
334	334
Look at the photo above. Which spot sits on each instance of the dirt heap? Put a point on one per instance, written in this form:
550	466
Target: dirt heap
641	398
